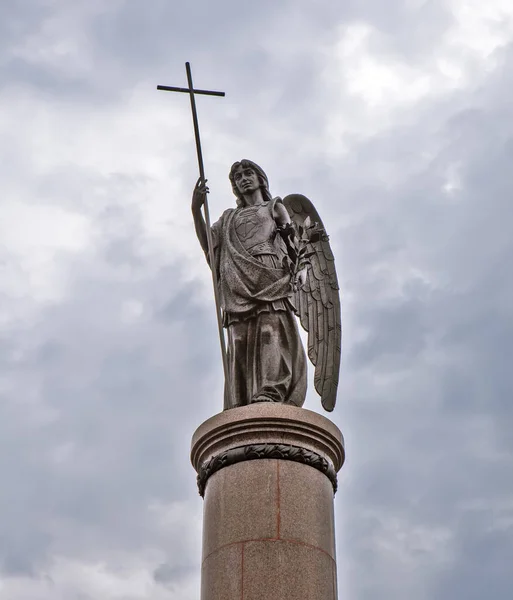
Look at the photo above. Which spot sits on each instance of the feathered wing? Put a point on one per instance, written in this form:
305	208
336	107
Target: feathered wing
318	304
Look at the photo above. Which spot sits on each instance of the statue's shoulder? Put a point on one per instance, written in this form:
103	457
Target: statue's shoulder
228	212
222	219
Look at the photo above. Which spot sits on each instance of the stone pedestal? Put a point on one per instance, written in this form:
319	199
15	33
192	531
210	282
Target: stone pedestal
267	473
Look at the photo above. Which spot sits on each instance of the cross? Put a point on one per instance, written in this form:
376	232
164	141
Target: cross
192	93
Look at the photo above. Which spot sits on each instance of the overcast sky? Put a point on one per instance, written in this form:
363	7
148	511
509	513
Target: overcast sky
396	118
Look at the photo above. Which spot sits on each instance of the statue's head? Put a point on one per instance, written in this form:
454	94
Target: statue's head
262	178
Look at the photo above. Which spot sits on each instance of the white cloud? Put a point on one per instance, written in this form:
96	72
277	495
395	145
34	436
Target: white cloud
36	241
381	86
130	580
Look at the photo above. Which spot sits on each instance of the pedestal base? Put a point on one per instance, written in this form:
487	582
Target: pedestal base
268	475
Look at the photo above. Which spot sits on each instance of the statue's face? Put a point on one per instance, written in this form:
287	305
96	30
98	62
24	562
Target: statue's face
246	180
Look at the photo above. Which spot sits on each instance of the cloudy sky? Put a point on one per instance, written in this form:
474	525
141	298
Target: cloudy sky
396	119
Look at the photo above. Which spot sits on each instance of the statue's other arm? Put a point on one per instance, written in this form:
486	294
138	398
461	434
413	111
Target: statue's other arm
198	200
281	214
285	226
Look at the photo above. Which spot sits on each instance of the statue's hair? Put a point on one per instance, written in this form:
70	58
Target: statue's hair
262	178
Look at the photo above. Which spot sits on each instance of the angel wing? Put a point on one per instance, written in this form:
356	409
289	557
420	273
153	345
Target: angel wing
318	303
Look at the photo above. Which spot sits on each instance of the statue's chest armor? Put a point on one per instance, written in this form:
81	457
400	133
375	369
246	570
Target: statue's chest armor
255	226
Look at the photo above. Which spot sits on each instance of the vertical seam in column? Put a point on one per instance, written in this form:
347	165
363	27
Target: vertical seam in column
242	573
278	500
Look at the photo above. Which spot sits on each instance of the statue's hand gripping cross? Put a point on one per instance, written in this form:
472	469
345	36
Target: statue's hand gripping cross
192	92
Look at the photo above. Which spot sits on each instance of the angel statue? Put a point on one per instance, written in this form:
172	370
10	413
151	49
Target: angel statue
273	261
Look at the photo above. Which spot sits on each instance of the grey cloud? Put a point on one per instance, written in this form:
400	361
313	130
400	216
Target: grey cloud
91	447
97	413
485	561
438	434
171	576
21	18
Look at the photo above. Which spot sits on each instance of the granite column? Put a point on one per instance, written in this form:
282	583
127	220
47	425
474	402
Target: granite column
268	474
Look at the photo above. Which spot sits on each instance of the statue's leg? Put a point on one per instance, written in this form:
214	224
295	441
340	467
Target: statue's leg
240	376
277	360
298	387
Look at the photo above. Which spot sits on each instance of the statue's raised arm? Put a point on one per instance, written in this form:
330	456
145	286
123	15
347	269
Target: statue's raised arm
273	261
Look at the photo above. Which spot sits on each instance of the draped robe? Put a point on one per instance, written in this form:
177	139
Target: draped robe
266	359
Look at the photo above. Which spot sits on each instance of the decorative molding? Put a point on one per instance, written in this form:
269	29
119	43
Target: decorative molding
257	451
